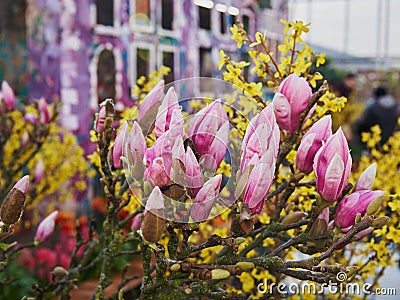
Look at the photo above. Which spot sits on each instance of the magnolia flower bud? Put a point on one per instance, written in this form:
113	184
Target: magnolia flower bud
7	95
149	106
321	224
311	142
137	222
13	205
156	173
44	111
355	203
39	171
46	227
106	111
262	134
30	118
100	119
25	139
118	145
366	179
168	113
258	183
206	126
332	167
193	172
205	199
290	101
153	223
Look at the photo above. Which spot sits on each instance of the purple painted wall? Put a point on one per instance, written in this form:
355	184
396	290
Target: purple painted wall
65	44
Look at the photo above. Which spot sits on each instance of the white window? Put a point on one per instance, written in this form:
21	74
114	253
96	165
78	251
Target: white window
169	56
142	57
204	18
248	21
106	17
166	23
142	15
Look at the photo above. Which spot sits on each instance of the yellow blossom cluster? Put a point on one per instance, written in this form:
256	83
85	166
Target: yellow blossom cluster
297	57
63	171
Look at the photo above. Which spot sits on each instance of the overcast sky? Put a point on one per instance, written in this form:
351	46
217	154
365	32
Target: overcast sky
364	36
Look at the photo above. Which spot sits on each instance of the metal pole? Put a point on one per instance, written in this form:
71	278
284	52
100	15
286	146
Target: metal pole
378	33
387	30
309	17
346	26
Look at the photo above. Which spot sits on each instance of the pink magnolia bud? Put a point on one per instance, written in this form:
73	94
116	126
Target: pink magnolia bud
290	101
355	203
24	139
332	166
312	141
39	171
366	180
8	95
155	201
261	134
118	145
162	147
205	199
205	124
156	173
23	184
46	227
30	118
324	215
137	222
100	119
43	111
169	113
14	202
178	150
258	183
137	141
217	150
193	172
153	99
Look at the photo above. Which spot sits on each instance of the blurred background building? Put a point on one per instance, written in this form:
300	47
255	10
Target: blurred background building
83	51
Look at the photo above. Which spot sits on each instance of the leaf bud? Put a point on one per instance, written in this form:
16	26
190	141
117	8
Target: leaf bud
239	240
293	217
380	222
245	265
60	272
375	205
175	267
219	274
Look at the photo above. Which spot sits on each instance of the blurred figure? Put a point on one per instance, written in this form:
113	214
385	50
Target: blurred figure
346	86
383	111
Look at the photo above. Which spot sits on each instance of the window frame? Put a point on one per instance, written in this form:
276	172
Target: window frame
132	57
140	27
168	32
172	49
105	29
252	24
